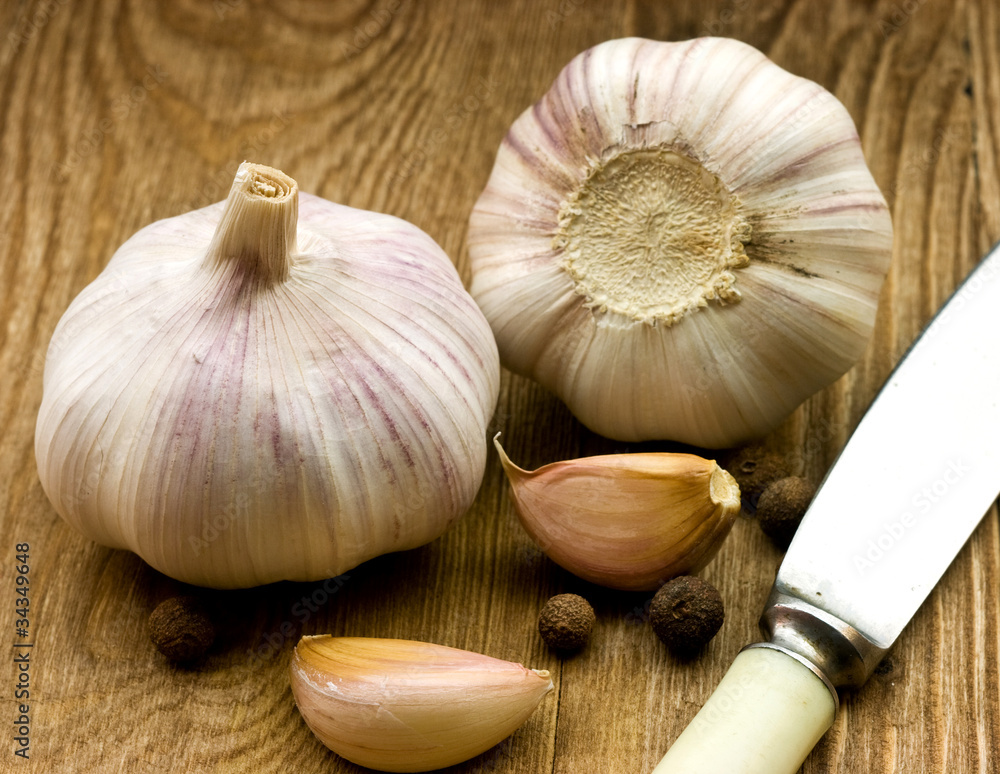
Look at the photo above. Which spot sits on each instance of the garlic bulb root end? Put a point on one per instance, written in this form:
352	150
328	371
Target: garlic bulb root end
652	235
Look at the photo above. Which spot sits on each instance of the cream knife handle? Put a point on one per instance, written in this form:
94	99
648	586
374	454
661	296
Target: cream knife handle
764	718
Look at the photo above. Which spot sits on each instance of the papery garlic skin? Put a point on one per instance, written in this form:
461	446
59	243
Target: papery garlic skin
626	521
402	705
273	387
681	240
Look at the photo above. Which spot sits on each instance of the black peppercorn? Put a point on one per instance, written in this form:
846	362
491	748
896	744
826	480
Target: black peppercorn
782	506
181	629
754	469
565	622
686	613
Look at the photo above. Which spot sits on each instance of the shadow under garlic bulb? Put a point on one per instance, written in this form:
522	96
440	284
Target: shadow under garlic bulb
680	240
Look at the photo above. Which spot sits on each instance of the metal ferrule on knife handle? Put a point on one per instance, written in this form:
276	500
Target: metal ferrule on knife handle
926	458
842	656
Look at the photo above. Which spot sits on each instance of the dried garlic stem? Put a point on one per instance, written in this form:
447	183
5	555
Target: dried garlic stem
258	224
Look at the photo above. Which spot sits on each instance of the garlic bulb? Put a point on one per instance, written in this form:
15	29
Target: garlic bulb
401	705
272	387
628	521
680	240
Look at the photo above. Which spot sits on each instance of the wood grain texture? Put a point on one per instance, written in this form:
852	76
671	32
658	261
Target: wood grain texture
115	114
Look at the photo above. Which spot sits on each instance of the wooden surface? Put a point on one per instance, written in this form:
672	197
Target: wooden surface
113	115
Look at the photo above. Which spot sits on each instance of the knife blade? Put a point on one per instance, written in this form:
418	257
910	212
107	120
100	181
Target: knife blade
916	477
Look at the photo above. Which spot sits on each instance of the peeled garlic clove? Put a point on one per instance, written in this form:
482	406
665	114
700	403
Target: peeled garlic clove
273	387
681	241
401	705
628	521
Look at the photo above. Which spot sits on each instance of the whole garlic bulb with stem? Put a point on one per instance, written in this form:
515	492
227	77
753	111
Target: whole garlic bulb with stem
272	387
403	705
681	240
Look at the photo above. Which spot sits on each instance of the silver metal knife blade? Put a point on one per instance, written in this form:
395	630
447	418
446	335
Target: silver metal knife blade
915	479
905	494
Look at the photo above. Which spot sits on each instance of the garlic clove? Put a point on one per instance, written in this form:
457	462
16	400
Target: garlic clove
628	521
680	240
402	705
274	387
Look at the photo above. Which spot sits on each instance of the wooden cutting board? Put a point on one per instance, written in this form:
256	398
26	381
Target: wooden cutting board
115	114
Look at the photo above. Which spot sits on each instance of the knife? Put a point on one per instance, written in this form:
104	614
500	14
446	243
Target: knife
912	483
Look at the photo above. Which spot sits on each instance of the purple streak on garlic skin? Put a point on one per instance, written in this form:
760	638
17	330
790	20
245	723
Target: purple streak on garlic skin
237	422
